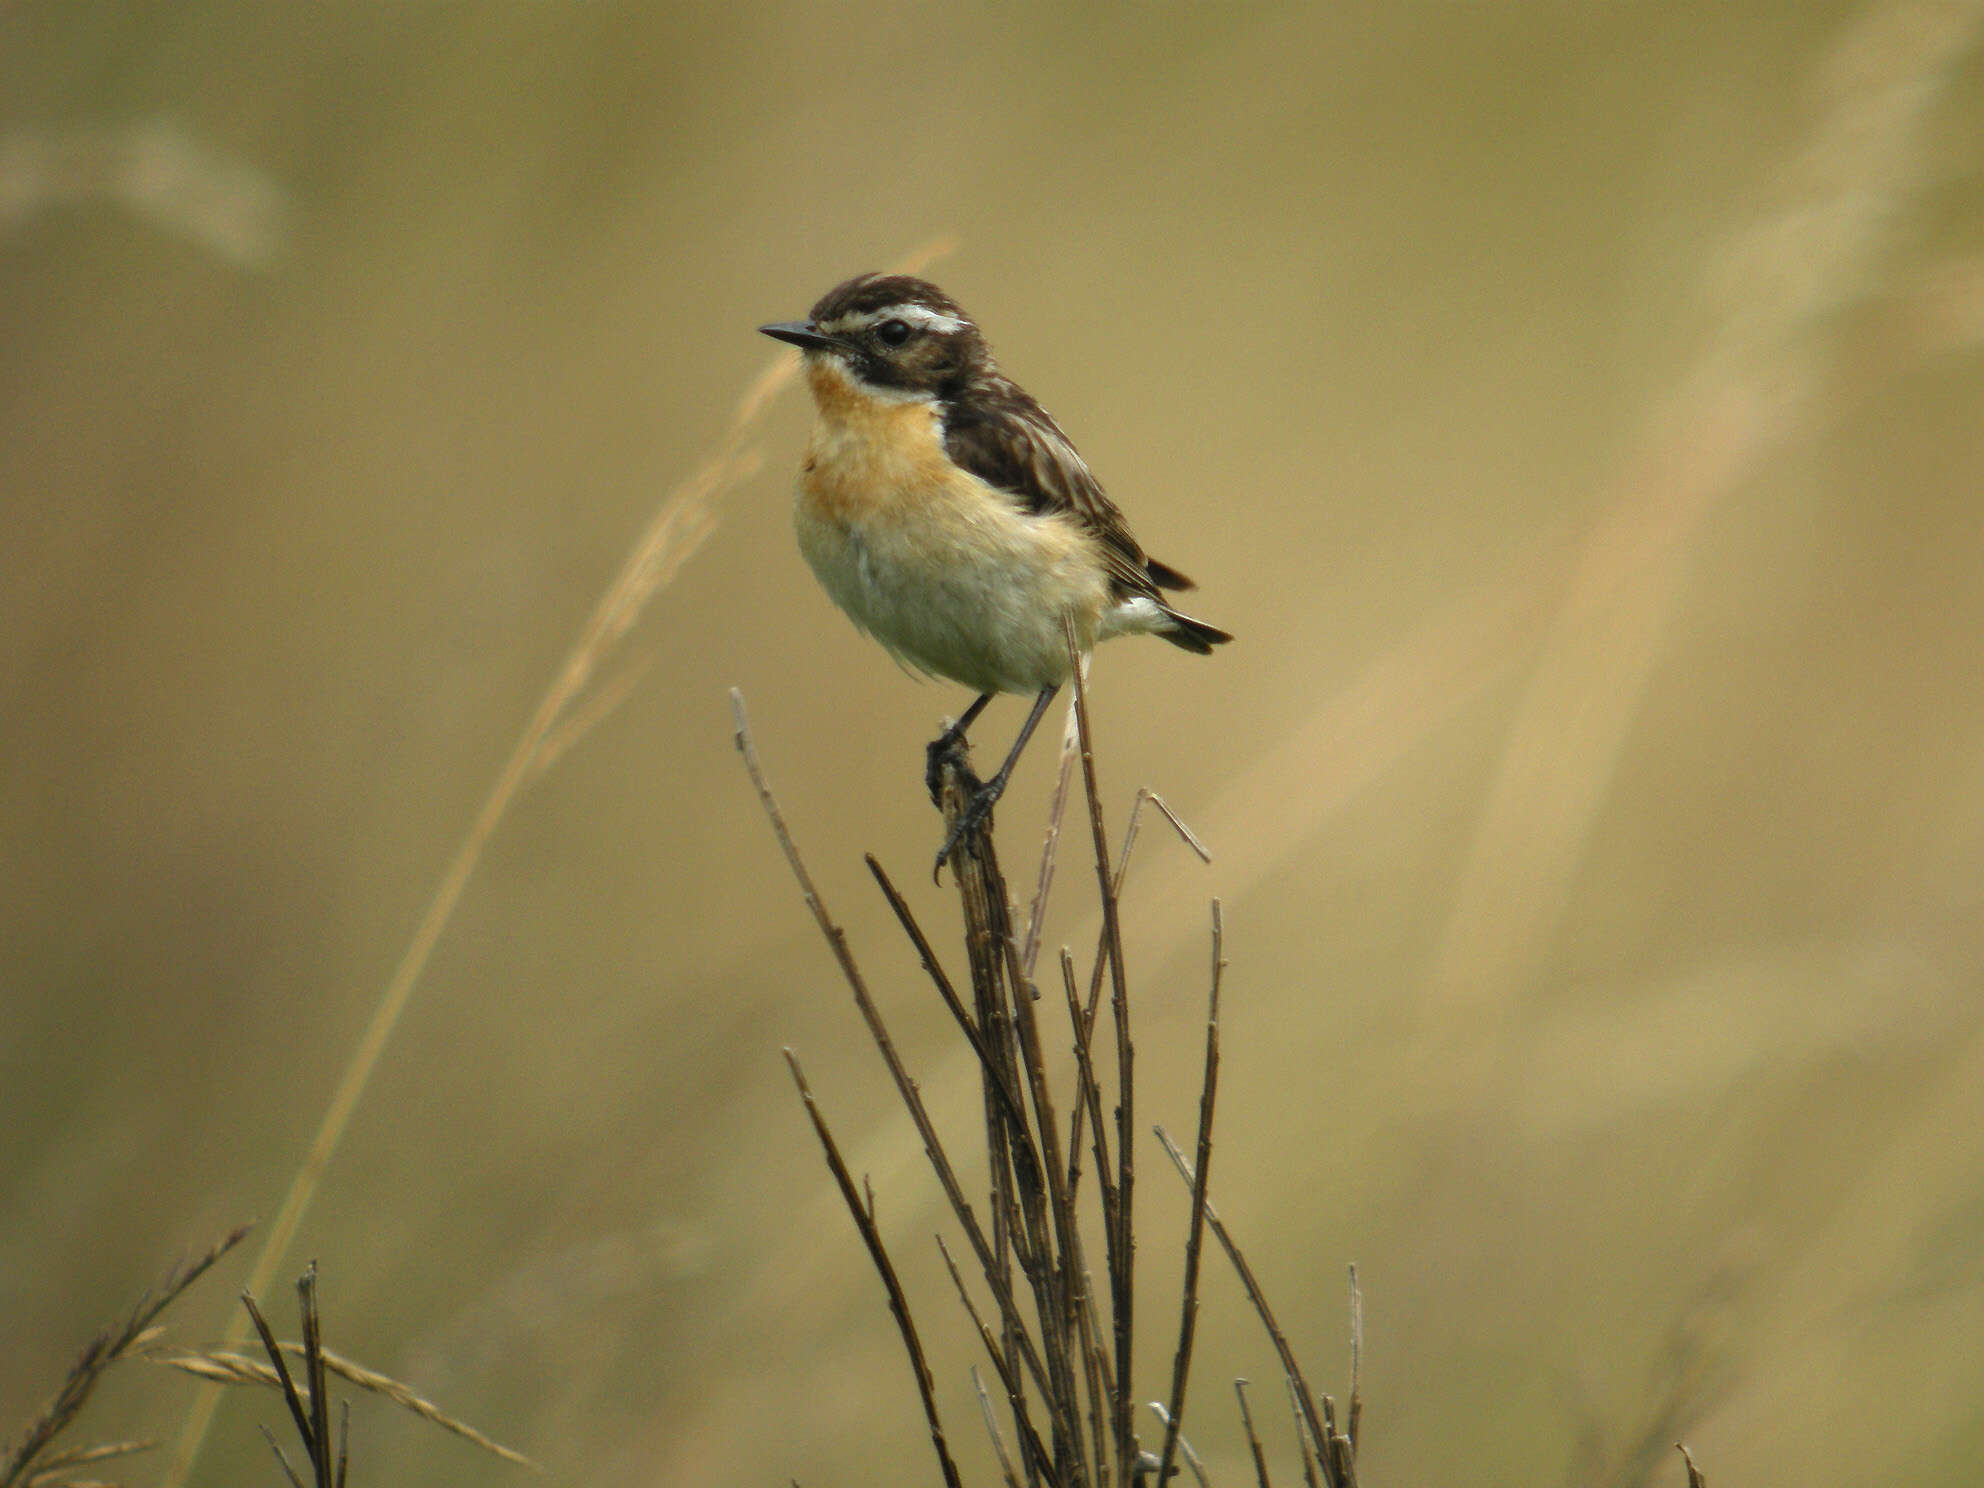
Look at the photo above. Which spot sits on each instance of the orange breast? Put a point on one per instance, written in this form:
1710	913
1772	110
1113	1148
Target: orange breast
869	457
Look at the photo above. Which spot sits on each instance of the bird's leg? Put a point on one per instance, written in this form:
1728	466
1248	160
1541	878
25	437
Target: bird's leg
980	805
938	748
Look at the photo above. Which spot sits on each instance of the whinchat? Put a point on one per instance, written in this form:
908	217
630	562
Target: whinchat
944	510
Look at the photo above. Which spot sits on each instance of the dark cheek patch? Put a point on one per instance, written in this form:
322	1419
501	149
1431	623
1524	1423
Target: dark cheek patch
922	368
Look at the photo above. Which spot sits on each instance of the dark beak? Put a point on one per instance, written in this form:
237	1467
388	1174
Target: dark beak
801	334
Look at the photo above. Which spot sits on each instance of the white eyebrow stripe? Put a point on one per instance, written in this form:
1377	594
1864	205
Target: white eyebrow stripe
917	315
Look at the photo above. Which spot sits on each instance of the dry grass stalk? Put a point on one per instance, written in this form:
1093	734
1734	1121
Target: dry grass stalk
309	1401
228	1368
29	1461
680	525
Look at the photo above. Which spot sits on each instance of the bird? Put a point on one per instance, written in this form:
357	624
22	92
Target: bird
945	511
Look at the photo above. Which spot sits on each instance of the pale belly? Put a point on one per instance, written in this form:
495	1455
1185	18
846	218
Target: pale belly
968	590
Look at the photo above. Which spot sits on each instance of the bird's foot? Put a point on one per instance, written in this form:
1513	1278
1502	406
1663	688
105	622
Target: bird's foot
949	748
975	813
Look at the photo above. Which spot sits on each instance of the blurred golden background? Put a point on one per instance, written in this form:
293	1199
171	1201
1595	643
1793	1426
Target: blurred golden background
1573	409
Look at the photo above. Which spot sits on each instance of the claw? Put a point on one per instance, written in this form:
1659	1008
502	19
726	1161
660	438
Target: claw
974	815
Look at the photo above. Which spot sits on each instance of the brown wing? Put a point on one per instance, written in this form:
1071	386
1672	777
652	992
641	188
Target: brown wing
1011	443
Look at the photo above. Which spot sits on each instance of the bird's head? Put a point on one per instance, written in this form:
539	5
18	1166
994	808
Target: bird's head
892	335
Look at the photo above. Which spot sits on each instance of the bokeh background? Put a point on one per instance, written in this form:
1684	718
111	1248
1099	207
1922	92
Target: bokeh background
1574	410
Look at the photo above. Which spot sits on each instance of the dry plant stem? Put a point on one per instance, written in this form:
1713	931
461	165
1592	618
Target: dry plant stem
1299	1383
1100	1378
1005	1005
1188	1320
928	955
1184	1445
679	526
291	1396
851	972
1049	849
282	1459
1121	1252
1695	1478
1085	1020
864	1221
1356	1356
1091	1102
1253	1437
103	1351
1070	1300
1009	1228
992	1430
1302	1435
1343	1460
1008	1144
1030	1442
313	1361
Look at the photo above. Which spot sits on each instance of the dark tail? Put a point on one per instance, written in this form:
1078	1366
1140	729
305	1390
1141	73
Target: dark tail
1193	635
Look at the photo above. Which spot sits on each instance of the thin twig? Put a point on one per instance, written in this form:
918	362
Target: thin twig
1084	1020
1070	1292
1191	1457
945	988
290	1395
1356	1354
1031	1448
313	1363
276	1447
1695	1476
1297	1381
1005	1002
1253	1437
1090	1101
1021	1232
1186	835
912	1098
1050	847
992	1430
1121	1247
1189	1308
1089	1098
1302	1434
898	1303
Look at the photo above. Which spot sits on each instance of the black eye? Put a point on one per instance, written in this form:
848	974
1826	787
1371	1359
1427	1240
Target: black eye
892	332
